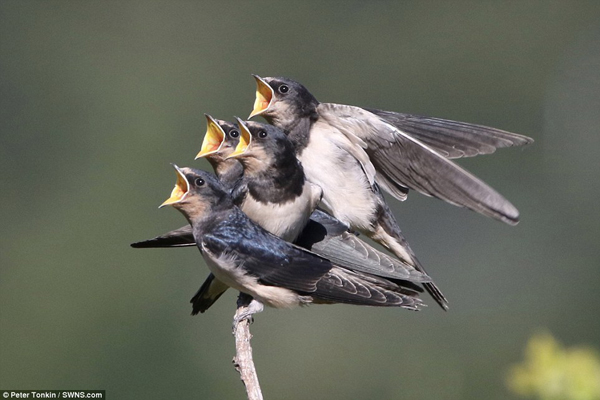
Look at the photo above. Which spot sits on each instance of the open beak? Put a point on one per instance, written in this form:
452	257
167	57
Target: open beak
213	139
264	96
245	139
179	191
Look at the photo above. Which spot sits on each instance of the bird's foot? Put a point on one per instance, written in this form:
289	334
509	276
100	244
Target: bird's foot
247	307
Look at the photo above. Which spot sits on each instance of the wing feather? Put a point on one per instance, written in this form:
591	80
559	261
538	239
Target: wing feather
268	258
452	139
182	237
350	287
407	161
329	238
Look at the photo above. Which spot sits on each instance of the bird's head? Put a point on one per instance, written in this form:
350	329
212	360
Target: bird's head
280	100
197	193
262	146
220	140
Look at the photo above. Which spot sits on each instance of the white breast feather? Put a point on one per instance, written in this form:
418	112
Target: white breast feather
284	220
347	193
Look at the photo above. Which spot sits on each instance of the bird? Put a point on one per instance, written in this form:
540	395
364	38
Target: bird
219	142
273	192
397	151
246	257
267	185
339	166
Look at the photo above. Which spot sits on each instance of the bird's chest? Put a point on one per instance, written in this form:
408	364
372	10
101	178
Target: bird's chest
225	267
285	219
347	194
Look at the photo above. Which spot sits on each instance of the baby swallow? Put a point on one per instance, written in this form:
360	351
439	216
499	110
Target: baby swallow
335	159
242	255
274	192
276	195
219	142
397	151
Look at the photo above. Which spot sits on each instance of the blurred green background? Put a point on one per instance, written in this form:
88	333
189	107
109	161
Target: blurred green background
98	97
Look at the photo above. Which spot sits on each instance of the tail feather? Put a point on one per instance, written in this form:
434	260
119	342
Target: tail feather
399	249
209	292
387	232
182	237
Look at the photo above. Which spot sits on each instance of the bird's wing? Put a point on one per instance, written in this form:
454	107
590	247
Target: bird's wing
327	237
269	259
316	195
400	192
351	252
239	191
351	287
452	139
182	237
209	292
408	162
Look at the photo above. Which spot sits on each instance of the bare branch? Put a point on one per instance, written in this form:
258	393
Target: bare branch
243	350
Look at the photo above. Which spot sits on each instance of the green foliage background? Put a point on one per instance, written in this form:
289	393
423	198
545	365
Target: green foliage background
97	98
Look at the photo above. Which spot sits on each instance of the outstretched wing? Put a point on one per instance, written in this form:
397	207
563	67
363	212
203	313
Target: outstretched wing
408	162
452	139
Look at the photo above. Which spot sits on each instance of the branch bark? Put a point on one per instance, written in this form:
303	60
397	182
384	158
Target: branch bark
243	362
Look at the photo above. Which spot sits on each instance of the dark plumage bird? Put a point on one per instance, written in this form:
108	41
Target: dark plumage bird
273	192
242	255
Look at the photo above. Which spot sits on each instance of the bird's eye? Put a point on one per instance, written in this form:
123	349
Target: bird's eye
234	133
283	89
262	134
199	181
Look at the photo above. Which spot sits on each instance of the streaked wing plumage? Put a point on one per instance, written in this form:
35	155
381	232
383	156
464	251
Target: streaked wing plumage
277	263
400	192
329	238
351	287
452	139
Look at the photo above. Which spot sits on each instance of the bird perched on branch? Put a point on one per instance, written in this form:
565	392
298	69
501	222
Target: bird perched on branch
351	153
274	272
